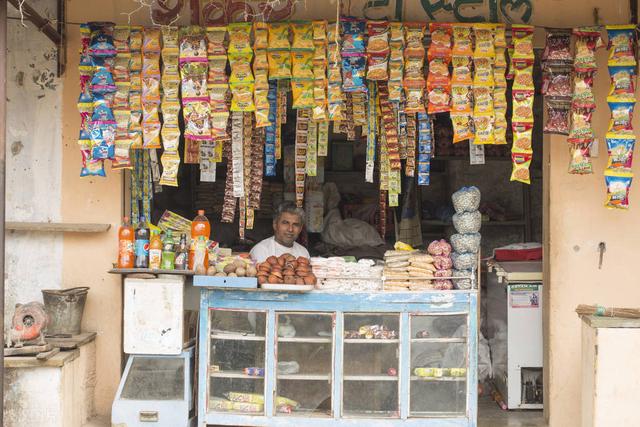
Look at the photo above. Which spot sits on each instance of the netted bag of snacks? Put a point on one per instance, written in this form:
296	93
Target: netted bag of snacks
439	247
467	199
462	283
467	222
464	261
466	243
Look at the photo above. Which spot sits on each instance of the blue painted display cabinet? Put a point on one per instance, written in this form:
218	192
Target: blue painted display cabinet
337	359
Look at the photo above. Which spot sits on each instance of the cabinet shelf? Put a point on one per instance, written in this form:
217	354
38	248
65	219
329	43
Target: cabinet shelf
446	379
236	337
369	341
234	374
315	340
438	340
305	377
370	378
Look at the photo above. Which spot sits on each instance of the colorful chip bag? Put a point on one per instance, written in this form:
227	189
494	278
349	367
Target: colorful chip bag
621	46
618	185
620	150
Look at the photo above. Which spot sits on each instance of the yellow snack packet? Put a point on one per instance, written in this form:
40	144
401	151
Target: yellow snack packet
260	35
302	93
240	69
319	30
279	64
302	35
302	64
242	97
239	38
279	35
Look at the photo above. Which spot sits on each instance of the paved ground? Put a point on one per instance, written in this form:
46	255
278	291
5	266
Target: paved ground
489	415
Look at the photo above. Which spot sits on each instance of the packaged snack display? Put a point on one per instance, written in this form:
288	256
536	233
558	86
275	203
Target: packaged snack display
558	46
618	185
620	150
557	117
588	39
621	46
580	160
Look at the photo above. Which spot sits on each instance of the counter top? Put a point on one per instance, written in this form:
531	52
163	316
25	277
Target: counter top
610	322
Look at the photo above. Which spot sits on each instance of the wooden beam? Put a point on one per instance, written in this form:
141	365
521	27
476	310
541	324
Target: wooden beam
57	227
41	23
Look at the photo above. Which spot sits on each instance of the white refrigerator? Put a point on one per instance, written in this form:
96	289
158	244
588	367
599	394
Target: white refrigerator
514	329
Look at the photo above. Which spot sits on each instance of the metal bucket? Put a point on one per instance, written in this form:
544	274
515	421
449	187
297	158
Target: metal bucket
65	308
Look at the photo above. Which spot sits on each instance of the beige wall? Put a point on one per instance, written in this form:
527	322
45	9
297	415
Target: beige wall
578	221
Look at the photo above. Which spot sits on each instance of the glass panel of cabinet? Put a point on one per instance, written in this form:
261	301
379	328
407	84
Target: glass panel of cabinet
308	372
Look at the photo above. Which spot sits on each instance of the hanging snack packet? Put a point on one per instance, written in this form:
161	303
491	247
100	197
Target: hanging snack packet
196	121
170	37
500	60
500	127
194	82
378	42
461	71
483	124
522	134
522	41
556	80
260	35
483	75
414	91
170	167
621	46
620	150
580	160
302	64
523	75
151	135
461	99
587	41
279	35
483	100
440	46
352	35
581	131
215	41
319	30
522	106
241	68
621	116
462	43
217	69
151	41
414	35
618	185
484	41
302	35
557	117
521	163
91	167
558	46
279	64
511	67
242	97
121	38
135	38
500	36
239	38
102	81
461	127
622	84
583	96
353	72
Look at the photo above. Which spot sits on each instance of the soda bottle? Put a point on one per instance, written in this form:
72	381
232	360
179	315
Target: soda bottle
199	227
168	254
142	244
182	254
126	257
155	251
199	257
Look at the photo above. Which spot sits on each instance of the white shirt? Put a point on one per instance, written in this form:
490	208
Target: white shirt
269	246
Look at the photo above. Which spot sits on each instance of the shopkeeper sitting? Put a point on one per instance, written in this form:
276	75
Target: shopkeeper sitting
288	221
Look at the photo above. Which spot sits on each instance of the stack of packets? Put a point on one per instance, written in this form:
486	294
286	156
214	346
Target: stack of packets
425	146
99	127
483	84
170	106
250	402
404	270
396	59
151	75
413	81
581	134
461	82
121	100
620	136
338	273
320	74
353	55
302	54
439	80
522	93
301	145
335	96
500	86
557	62
261	74
135	93
194	72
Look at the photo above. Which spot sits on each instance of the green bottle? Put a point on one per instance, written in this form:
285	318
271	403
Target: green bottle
168	252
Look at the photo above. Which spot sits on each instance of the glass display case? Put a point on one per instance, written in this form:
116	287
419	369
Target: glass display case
318	359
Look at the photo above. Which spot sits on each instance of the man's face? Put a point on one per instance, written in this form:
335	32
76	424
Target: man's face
286	228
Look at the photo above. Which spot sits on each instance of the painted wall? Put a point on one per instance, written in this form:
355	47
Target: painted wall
34	159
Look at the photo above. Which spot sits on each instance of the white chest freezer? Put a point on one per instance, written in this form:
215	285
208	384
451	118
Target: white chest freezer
514	315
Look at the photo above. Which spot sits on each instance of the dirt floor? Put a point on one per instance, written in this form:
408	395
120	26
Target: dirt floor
490	415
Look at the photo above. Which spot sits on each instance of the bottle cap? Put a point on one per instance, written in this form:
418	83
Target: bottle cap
201	212
126	219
